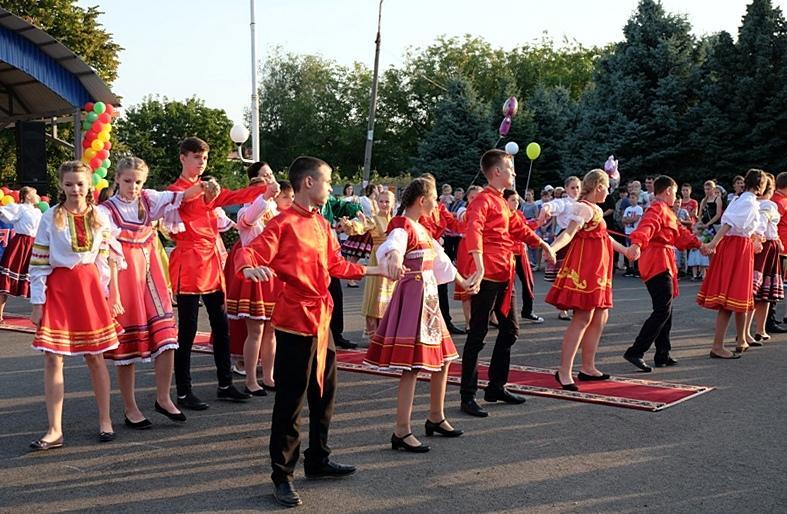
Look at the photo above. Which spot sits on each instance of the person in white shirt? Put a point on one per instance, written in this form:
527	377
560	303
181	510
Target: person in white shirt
631	217
25	217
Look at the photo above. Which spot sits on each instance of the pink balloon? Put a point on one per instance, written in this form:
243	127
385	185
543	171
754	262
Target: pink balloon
510	107
505	126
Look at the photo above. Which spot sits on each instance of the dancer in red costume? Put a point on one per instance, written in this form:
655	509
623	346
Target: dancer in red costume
25	217
584	282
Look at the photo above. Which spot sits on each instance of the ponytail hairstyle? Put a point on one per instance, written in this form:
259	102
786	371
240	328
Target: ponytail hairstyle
417	188
754	179
128	163
23	192
60	210
770	184
592	180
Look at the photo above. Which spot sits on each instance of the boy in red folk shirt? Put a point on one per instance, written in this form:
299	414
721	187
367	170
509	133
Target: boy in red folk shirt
195	270
299	248
491	229
653	242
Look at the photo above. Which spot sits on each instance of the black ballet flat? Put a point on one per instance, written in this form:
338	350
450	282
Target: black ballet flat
138	425
105	437
397	443
270	389
174	416
567	387
590	378
39	445
432	427
258	392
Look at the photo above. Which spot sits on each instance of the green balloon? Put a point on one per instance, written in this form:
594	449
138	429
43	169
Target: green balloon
106	164
99	107
96	177
86	125
533	150
91	117
43	206
101	172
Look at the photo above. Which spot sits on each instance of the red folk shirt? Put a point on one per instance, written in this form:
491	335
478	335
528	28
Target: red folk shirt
195	264
491	230
781	204
440	220
300	246
657	233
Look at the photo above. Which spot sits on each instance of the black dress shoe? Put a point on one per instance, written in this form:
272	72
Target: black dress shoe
174	416
661	362
345	343
590	378
471	407
453	329
397	443
502	395
191	402
566	387
258	392
40	445
638	362
270	389
286	496
105	437
138	425
229	393
432	427
328	469
775	329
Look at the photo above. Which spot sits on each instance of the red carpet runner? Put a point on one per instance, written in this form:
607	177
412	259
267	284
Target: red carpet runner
624	392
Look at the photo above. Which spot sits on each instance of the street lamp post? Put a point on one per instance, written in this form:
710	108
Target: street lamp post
367	156
239	134
255	103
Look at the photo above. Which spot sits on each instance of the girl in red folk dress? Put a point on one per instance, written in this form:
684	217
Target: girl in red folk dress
147	320
71	276
412	335
25	217
250	304
584	282
727	287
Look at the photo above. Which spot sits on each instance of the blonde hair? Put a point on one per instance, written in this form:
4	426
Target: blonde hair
571	179
60	210
592	180
136	164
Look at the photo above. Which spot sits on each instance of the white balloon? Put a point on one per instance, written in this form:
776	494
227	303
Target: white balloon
512	148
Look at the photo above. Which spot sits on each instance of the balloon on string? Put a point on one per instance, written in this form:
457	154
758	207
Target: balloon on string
99	107
505	126
533	150
510	107
512	148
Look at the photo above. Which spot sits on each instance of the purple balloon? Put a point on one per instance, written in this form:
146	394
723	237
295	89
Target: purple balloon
505	126
510	107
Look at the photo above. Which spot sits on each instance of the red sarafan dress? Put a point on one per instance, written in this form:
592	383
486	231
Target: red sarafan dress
69	276
728	281
148	321
584	281
14	264
412	333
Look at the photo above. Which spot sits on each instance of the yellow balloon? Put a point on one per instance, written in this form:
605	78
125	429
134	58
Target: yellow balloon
89	154
7	199
102	184
1	194
108	127
533	151
103	136
97	145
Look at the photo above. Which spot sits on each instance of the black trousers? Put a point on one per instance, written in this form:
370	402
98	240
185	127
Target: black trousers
656	328
188	316
295	371
337	318
489	298
450	245
527	293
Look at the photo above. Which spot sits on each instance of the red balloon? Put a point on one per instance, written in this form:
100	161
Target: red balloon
97	127
103	154
95	163
109	109
107	146
45	198
86	142
15	196
5	189
89	107
104	117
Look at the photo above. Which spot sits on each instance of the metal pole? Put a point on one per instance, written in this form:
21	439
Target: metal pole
255	103
78	134
367	156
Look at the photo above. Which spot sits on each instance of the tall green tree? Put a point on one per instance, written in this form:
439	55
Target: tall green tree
153	129
460	134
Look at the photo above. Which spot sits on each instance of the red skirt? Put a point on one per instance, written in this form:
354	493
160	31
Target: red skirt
768	282
148	322
728	281
76	318
14	266
246	298
584	281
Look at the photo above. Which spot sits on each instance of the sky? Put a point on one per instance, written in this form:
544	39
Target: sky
184	48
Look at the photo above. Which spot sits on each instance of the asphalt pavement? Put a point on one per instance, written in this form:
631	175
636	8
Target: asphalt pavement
723	452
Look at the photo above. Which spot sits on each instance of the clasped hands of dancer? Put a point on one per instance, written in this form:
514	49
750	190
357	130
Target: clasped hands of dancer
393	267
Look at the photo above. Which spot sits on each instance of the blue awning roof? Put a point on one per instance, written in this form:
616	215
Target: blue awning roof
41	78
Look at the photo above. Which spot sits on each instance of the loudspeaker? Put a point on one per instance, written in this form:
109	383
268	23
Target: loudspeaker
31	155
